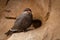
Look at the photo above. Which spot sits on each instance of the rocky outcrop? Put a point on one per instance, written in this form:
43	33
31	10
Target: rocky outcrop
48	31
51	22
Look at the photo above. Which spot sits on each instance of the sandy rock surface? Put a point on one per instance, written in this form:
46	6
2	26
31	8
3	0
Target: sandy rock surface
50	30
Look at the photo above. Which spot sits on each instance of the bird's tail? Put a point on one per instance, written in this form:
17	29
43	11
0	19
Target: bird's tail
9	33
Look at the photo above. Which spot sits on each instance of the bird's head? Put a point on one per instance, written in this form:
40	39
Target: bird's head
28	10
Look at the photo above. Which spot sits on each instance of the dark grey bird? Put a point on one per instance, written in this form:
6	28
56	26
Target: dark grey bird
22	22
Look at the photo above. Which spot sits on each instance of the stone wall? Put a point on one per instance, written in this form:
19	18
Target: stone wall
49	29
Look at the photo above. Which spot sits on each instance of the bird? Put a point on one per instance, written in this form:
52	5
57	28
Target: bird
22	22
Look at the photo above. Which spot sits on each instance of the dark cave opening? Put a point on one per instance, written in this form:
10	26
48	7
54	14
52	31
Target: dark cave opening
37	23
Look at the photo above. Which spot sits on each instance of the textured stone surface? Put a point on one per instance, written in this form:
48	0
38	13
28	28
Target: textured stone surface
50	30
